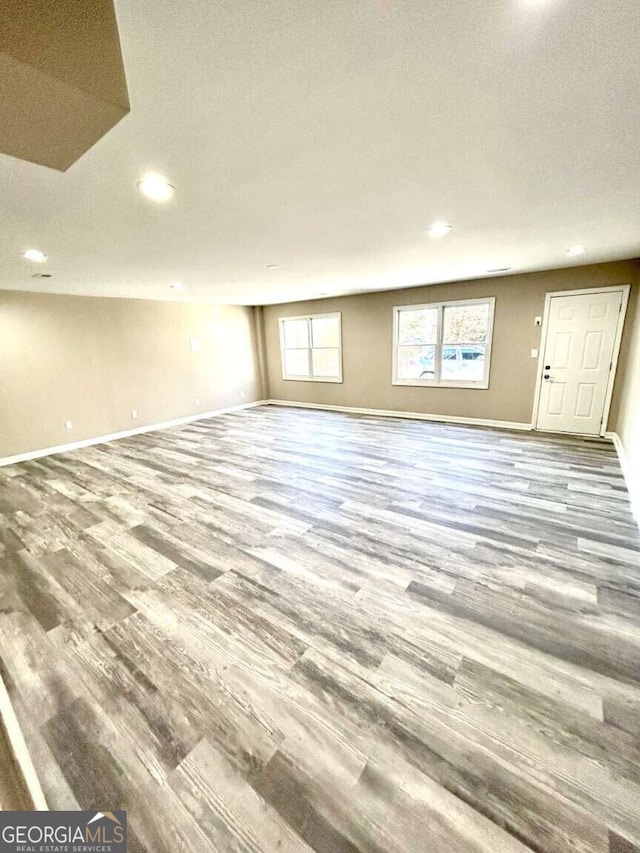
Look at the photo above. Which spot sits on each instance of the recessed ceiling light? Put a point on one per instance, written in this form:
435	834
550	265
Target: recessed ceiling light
177	286
272	266
35	255
572	251
156	187
439	229
499	269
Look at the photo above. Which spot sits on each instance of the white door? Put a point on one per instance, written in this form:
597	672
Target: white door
577	360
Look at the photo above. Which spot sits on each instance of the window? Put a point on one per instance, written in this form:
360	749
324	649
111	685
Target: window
311	348
446	344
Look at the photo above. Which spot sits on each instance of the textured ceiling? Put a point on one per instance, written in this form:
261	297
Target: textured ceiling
326	137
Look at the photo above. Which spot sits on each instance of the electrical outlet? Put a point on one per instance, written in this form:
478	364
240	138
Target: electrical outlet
68	425
134	414
534	353
196	401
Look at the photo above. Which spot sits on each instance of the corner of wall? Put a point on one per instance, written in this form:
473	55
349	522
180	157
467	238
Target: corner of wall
261	350
626	423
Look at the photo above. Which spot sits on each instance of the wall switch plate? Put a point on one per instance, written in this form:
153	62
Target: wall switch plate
68	425
196	401
538	321
134	414
534	353
195	344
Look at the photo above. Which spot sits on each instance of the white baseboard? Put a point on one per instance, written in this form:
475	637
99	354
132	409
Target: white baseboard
114	436
420	416
19	751
632	486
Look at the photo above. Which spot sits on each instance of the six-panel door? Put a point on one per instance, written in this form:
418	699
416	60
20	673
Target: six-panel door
576	362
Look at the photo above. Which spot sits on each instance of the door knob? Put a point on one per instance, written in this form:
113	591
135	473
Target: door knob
546	376
547	367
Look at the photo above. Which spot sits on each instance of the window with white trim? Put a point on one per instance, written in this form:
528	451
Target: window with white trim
311	348
446	344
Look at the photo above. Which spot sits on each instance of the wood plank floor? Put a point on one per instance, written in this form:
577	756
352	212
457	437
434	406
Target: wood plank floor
286	630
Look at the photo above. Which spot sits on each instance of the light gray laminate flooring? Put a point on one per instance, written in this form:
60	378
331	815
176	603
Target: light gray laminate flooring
286	630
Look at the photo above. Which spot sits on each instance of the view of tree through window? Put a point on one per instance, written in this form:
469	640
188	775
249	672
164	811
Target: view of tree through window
464	324
443	343
418	327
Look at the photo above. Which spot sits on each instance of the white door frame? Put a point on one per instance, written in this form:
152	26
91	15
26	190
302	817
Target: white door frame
625	289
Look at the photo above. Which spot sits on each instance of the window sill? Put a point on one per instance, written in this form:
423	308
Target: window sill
426	383
312	379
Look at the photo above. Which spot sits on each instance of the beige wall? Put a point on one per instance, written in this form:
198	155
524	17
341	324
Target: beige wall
628	420
367	342
92	360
